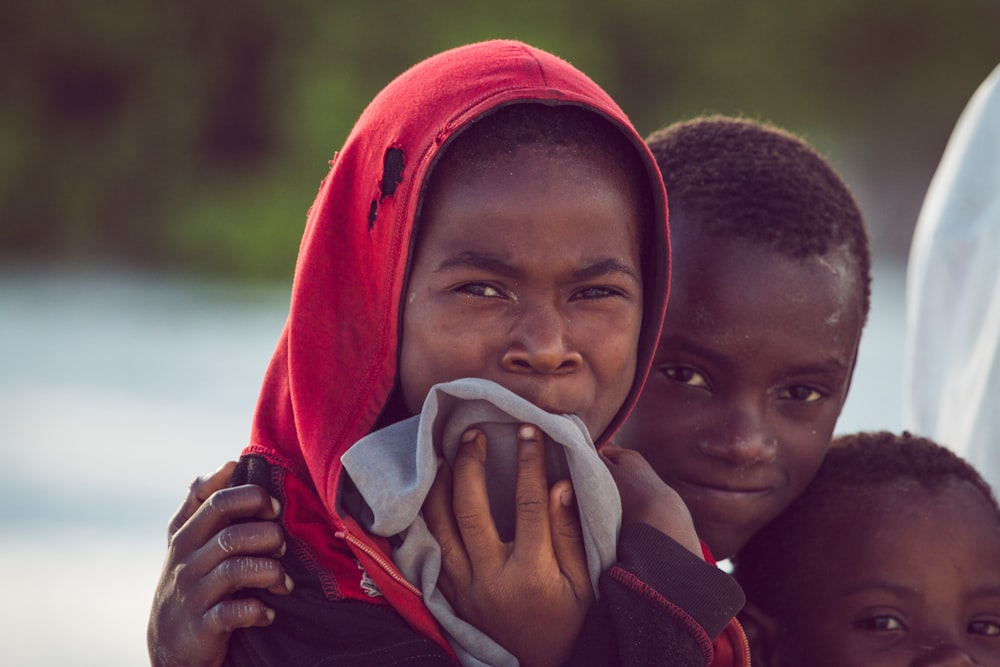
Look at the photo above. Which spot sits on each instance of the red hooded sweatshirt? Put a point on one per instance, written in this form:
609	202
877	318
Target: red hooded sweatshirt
335	370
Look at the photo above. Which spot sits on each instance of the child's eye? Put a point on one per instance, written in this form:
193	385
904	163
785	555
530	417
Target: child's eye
985	628
481	289
879	623
801	393
685	375
594	293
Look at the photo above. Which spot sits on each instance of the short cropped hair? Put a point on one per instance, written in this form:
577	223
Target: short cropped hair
736	177
855	466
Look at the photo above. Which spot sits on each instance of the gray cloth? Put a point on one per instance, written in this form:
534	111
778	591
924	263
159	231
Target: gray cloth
394	476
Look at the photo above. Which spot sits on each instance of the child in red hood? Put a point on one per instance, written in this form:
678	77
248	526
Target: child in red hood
756	215
492	215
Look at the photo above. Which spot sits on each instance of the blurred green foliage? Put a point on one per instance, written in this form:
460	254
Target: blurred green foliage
193	134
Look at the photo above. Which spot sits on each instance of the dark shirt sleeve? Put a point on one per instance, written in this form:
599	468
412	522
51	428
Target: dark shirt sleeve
659	605
319	633
311	630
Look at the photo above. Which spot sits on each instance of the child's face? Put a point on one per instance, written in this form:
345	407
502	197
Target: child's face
527	273
750	376
910	578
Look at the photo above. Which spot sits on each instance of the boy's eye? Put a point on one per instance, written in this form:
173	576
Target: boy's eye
685	375
879	623
594	293
986	628
801	393
481	289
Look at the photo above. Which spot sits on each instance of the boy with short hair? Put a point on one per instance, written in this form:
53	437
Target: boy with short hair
906	569
493	215
771	279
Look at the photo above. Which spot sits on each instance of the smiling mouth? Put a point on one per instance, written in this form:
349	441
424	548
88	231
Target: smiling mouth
724	490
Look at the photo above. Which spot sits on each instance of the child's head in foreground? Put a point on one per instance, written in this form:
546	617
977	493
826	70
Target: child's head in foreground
493	214
890	557
528	264
770	290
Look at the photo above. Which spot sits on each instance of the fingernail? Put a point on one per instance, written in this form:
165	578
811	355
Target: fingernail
269	613
469	435
528	432
566	497
275	505
289	584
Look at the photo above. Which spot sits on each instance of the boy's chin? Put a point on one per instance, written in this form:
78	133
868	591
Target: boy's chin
723	540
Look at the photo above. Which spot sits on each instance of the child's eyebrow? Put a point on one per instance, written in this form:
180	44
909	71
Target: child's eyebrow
480	260
603	267
499	265
868	586
987	591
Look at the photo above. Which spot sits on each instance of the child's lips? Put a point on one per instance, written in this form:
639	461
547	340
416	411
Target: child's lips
547	398
726	491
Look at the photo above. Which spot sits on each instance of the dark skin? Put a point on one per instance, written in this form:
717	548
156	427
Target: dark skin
194	617
751	374
798	411
542	295
484	578
912	580
793	411
209	557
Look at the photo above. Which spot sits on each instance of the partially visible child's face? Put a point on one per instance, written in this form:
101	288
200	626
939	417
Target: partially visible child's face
527	273
750	376
910	578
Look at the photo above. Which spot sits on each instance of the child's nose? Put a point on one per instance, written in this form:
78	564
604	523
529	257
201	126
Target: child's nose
742	439
540	342
943	652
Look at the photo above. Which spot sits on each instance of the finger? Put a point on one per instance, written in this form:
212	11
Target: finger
238	613
199	491
616	459
222	509
223	563
471	503
244	572
567	538
260	538
440	522
610	452
531	524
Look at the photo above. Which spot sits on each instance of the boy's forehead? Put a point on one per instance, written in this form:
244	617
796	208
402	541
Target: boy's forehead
760	314
722	263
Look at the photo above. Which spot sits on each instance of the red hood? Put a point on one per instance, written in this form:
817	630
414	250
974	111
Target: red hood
336	362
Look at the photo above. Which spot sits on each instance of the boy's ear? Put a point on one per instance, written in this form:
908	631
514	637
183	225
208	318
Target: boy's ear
761	630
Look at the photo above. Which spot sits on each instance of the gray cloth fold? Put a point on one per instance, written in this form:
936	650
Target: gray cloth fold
393	470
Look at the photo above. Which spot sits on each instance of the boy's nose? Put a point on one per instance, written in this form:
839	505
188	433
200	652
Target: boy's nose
540	343
943	653
742	439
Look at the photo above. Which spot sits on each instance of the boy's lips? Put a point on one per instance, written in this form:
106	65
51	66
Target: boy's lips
724	490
